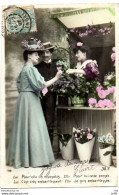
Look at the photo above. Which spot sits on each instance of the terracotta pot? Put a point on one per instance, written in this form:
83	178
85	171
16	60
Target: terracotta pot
85	150
68	150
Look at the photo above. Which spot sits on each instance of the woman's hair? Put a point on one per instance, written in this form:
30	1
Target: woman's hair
84	49
26	53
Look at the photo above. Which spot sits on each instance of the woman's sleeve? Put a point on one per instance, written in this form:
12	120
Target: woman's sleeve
35	79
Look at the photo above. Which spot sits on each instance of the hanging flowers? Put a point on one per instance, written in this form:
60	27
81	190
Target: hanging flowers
92	30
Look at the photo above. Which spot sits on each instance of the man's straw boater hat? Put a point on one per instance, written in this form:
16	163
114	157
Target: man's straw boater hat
47	46
32	44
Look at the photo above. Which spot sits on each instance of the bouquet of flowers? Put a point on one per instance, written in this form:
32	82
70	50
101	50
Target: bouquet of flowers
62	65
109	80
83	135
106	140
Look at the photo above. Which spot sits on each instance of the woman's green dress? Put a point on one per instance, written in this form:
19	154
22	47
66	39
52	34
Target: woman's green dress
29	144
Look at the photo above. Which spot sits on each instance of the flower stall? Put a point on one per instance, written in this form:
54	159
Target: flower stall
98	107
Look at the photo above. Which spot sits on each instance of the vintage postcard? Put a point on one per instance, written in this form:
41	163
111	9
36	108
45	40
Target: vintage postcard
59	96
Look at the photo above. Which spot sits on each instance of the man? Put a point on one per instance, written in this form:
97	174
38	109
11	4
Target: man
48	70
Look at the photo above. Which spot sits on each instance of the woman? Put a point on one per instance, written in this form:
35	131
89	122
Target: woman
85	66
30	143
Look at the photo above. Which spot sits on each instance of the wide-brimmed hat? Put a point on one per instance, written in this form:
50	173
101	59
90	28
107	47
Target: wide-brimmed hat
47	46
32	44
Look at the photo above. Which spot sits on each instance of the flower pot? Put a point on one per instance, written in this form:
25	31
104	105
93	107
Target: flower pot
78	101
85	150
114	160
105	159
68	150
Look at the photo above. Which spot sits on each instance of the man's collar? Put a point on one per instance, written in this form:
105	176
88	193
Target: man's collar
48	62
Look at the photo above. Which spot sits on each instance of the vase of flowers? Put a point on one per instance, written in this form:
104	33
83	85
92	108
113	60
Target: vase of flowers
66	145
105	149
84	140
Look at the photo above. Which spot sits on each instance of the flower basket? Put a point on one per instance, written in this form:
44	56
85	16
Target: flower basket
78	101
68	150
85	150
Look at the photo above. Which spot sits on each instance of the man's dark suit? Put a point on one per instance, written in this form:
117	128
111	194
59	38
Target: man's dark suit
48	71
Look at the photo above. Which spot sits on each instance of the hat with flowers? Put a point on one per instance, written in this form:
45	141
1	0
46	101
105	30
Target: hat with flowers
32	44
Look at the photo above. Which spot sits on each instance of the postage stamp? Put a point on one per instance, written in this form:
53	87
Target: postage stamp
20	20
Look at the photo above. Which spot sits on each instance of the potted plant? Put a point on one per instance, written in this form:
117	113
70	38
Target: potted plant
74	87
66	145
102	101
84	140
105	148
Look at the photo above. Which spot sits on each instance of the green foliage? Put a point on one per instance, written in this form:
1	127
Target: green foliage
63	138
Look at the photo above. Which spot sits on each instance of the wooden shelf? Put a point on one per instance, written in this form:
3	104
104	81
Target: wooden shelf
82	108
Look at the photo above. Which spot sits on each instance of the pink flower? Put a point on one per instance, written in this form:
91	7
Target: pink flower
59	68
113	56
44	91
111	89
79	44
108	103
77	139
89	136
107	92
102	94
101	104
99	88
92	101
88	129
72	29
113	49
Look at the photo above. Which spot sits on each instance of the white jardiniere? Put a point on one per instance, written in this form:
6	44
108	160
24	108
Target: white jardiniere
85	150
106	159
68	150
